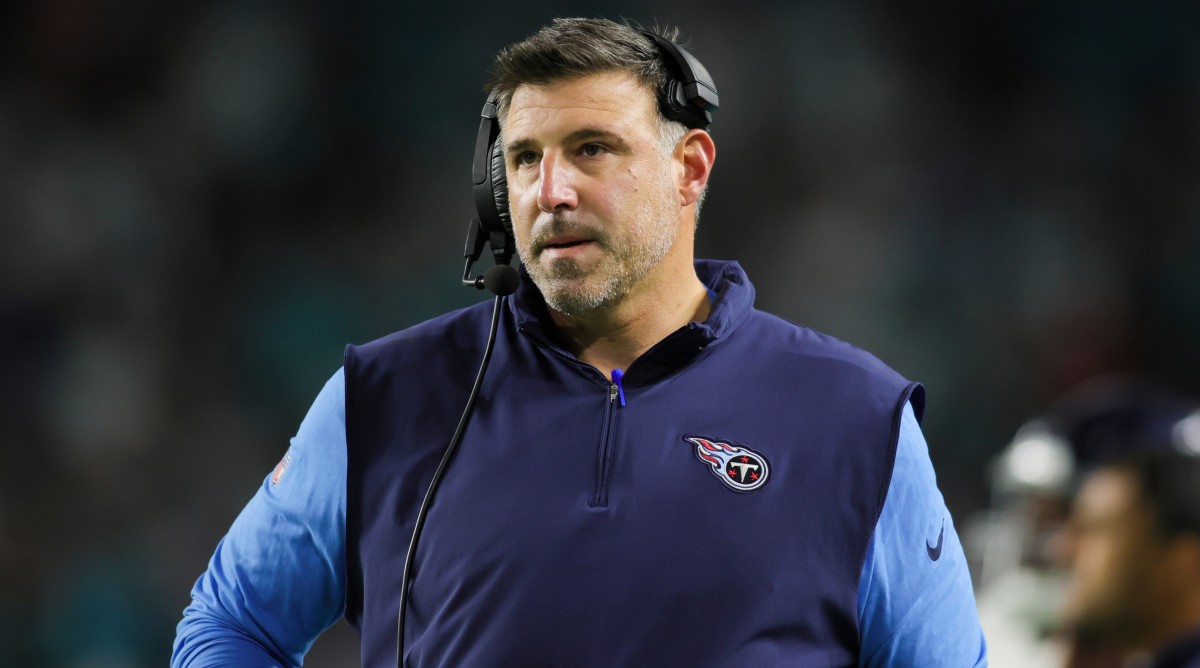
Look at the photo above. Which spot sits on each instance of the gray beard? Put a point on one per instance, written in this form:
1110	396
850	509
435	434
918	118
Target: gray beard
559	294
570	290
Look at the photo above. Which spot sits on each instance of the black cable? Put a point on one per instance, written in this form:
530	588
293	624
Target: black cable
437	476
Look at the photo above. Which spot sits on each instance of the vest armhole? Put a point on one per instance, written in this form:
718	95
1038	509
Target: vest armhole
353	574
914	393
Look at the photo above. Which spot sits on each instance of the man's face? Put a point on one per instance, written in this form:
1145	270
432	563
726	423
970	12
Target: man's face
1114	551
595	202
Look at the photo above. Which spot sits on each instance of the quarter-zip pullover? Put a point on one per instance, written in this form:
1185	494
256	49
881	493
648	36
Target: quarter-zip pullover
572	530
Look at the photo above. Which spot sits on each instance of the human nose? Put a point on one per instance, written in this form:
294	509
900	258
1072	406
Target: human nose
555	187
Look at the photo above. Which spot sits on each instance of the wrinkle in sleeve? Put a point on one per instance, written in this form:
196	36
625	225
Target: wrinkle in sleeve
916	605
277	579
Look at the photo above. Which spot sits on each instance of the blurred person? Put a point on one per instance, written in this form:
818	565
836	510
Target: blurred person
1134	557
1030	598
1011	546
655	473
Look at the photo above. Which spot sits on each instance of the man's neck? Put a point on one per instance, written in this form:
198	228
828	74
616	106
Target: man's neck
1180	620
614	337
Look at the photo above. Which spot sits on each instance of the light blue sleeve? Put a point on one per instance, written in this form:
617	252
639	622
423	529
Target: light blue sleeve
277	579
915	603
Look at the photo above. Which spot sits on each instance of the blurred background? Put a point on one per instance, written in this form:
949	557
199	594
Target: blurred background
203	202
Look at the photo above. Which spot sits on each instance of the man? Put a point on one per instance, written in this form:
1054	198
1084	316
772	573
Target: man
1134	552
746	492
1019	543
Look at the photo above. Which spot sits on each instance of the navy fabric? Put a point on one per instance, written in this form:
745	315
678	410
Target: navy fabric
571	530
1182	653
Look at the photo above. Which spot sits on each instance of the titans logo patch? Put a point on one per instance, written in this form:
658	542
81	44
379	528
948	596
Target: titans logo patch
739	467
281	468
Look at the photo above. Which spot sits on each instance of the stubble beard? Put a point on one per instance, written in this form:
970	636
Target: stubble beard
626	256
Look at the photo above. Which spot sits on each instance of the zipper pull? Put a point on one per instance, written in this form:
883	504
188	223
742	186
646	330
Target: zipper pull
617	389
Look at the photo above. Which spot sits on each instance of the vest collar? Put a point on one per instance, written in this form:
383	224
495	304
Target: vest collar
1181	653
732	305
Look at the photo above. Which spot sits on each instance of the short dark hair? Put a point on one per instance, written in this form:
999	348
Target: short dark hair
572	48
1169	485
575	47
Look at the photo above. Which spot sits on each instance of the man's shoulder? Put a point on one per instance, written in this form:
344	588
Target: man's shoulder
774	339
806	357
454	329
789	342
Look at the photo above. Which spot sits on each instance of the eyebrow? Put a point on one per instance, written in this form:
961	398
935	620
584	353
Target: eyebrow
582	134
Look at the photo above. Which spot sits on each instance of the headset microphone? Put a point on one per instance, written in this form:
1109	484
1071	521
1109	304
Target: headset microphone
492	227
501	280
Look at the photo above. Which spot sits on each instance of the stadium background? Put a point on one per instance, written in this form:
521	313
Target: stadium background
201	203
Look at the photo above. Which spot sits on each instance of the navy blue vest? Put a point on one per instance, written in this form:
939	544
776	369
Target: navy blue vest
573	531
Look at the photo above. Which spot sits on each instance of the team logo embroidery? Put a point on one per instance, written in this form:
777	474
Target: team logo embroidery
281	468
739	467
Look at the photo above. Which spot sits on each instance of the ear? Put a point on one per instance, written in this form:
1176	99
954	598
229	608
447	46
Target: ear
696	152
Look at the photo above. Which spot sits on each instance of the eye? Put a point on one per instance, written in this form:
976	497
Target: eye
526	158
592	150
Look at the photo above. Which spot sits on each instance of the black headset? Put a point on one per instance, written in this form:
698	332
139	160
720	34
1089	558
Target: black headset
689	97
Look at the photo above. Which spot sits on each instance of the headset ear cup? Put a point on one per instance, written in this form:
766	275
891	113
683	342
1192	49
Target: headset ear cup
500	187
675	106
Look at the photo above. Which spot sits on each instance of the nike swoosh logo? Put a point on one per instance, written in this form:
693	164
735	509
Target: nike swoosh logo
935	551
